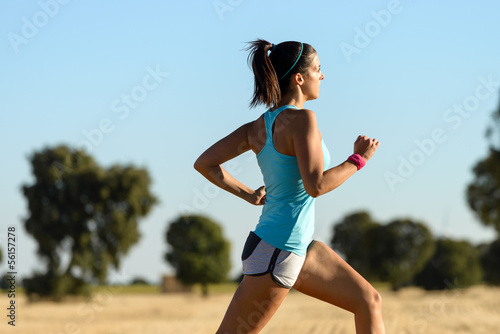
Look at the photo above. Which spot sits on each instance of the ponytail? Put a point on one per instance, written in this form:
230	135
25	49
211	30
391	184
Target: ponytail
266	86
273	66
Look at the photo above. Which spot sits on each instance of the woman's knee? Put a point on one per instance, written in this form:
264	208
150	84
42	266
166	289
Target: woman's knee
376	299
371	301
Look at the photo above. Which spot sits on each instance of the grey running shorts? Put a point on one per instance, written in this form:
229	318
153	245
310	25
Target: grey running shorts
260	258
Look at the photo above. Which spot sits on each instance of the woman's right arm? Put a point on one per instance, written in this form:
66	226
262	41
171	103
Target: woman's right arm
209	164
309	153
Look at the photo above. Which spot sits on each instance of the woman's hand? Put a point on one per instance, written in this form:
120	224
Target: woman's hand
365	146
258	197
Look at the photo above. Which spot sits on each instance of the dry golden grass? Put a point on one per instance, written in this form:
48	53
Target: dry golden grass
475	310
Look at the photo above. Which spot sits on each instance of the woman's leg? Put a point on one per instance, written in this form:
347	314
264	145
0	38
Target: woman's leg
254	303
326	276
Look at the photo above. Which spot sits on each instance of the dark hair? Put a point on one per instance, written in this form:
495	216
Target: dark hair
268	68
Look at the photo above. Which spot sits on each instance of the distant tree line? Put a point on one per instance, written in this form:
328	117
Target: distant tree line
404	252
82	210
483	196
91	214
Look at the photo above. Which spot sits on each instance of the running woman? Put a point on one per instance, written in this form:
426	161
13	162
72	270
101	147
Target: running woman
280	253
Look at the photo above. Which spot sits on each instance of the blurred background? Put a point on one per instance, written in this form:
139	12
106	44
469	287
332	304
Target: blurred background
153	83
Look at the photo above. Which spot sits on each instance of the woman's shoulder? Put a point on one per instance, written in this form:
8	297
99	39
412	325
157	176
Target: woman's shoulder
258	123
291	118
256	133
306	113
301	114
301	118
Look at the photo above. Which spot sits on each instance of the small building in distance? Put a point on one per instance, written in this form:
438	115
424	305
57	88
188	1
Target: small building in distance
170	284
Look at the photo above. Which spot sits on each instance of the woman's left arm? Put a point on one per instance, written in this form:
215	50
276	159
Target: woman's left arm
209	165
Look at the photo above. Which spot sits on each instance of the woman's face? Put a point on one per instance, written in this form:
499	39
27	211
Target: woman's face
312	79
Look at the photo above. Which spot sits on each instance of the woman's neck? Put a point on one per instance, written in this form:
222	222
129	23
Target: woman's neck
292	100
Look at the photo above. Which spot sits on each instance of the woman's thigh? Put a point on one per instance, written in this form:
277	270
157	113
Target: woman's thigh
253	304
326	276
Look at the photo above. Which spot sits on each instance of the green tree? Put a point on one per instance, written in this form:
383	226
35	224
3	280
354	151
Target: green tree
490	262
401	250
352	238
139	281
198	251
454	264
78	208
483	193
3	281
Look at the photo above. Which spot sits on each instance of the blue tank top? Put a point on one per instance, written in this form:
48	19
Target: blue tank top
287	219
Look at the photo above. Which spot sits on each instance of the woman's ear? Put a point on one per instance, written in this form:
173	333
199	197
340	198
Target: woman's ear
298	79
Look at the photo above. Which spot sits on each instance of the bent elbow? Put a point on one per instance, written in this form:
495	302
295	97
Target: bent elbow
198	165
313	191
318	190
314	194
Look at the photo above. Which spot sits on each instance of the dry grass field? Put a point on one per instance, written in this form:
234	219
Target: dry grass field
113	311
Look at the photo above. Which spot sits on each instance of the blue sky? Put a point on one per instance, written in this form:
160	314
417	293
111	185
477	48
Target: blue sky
163	80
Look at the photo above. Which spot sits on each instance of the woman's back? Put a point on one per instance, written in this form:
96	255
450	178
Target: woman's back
282	132
287	220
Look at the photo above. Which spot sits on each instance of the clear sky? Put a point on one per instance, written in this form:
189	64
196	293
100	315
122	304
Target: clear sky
154	83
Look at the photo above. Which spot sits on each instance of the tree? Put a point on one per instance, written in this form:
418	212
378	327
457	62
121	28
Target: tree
139	281
490	262
483	193
3	279
198	251
454	264
78	208
352	239
401	250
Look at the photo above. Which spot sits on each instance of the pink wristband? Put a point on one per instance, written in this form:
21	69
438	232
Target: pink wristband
357	160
